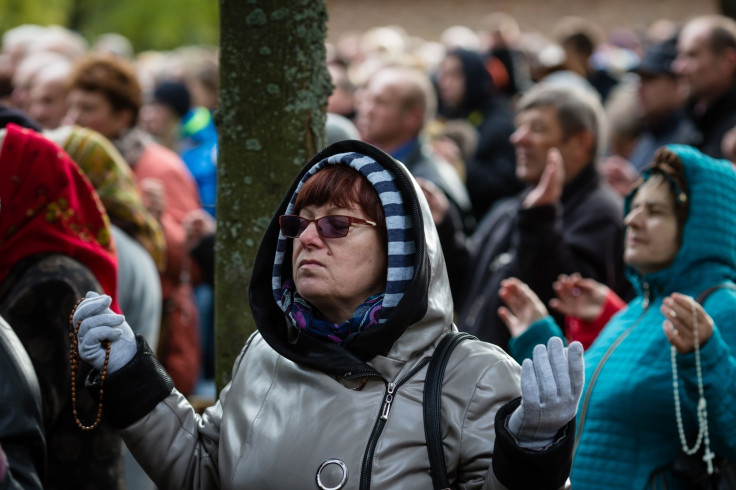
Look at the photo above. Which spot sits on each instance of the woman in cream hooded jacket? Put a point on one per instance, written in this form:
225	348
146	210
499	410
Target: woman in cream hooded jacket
300	411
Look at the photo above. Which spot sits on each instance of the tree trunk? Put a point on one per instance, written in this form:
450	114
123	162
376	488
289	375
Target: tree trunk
78	11
274	87
728	8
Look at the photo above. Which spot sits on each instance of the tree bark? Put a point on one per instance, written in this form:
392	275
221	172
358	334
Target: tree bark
728	8
78	11
274	87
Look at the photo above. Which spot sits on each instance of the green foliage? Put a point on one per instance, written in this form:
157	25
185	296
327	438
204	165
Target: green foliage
43	12
158	24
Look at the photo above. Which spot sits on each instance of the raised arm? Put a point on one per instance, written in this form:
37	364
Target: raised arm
176	447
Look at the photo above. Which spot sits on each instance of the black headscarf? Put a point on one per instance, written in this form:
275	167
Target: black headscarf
479	86
8	115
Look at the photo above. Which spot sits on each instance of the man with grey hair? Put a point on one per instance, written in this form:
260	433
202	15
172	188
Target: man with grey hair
706	61
394	107
566	220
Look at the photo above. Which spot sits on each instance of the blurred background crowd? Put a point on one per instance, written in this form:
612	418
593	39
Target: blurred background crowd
140	125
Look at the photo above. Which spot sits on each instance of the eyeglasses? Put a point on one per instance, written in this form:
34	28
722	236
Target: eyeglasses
333	226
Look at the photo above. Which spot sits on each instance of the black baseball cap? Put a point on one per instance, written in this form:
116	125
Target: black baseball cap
658	58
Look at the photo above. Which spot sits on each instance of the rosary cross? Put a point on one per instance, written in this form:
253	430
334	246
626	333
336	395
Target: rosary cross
708	458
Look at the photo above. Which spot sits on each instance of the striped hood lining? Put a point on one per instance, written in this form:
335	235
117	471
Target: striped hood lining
401	246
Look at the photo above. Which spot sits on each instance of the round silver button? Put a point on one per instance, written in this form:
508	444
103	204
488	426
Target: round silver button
343	467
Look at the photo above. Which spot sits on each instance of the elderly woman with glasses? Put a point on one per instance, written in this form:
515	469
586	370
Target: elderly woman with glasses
351	298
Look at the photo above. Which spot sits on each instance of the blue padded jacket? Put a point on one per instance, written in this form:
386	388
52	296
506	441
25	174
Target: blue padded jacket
627	433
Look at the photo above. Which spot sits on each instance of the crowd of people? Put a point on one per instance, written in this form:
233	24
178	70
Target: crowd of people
568	200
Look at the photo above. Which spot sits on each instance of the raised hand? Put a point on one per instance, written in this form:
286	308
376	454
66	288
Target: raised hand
153	194
549	188
619	173
438	202
523	306
579	297
451	153
198	224
551	386
100	324
678	310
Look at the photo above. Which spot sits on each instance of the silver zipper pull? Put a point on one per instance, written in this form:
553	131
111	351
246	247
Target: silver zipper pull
388	401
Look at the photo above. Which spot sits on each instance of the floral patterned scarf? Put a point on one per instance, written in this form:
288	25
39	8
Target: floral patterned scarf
112	178
48	206
301	315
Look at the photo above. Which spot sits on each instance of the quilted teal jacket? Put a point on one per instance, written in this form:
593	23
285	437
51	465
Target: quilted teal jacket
627	432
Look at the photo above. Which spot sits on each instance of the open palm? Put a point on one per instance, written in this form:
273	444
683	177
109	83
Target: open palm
523	306
579	297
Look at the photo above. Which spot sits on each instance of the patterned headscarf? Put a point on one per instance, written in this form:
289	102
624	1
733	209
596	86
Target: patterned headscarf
48	206
112	178
401	246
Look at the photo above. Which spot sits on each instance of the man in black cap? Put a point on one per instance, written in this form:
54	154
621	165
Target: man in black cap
661	101
661	97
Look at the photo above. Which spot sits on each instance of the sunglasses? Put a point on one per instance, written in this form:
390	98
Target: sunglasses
333	226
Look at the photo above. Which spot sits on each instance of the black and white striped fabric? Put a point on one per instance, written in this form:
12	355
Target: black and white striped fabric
401	247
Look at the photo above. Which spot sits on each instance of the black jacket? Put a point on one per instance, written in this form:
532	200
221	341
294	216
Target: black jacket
21	424
583	234
677	128
491	173
36	299
713	123
422	162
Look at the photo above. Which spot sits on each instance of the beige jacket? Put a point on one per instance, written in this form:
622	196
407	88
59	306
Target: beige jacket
279	421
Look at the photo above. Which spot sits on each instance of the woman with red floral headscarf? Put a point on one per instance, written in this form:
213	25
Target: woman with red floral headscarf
55	244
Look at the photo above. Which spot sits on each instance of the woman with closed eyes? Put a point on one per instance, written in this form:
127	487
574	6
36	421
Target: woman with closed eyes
351	298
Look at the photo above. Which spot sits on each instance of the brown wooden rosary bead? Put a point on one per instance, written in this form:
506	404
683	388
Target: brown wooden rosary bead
74	369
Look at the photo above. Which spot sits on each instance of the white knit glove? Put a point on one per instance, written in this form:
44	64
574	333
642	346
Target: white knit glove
551	386
100	323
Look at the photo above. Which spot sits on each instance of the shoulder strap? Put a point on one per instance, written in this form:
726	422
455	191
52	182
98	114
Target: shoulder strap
705	293
433	407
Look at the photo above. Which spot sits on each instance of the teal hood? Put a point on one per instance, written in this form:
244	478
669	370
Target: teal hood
708	252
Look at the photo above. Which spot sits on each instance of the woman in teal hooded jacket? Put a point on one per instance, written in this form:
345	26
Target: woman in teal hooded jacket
627	425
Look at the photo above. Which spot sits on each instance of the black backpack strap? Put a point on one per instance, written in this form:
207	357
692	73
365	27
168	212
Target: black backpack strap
433	407
705	293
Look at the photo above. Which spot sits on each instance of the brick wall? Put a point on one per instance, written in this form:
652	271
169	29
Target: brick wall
428	18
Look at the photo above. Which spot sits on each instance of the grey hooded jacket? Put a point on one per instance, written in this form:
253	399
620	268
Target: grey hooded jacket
296	403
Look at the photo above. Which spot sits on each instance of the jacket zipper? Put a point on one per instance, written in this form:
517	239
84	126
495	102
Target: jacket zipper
388	399
599	367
